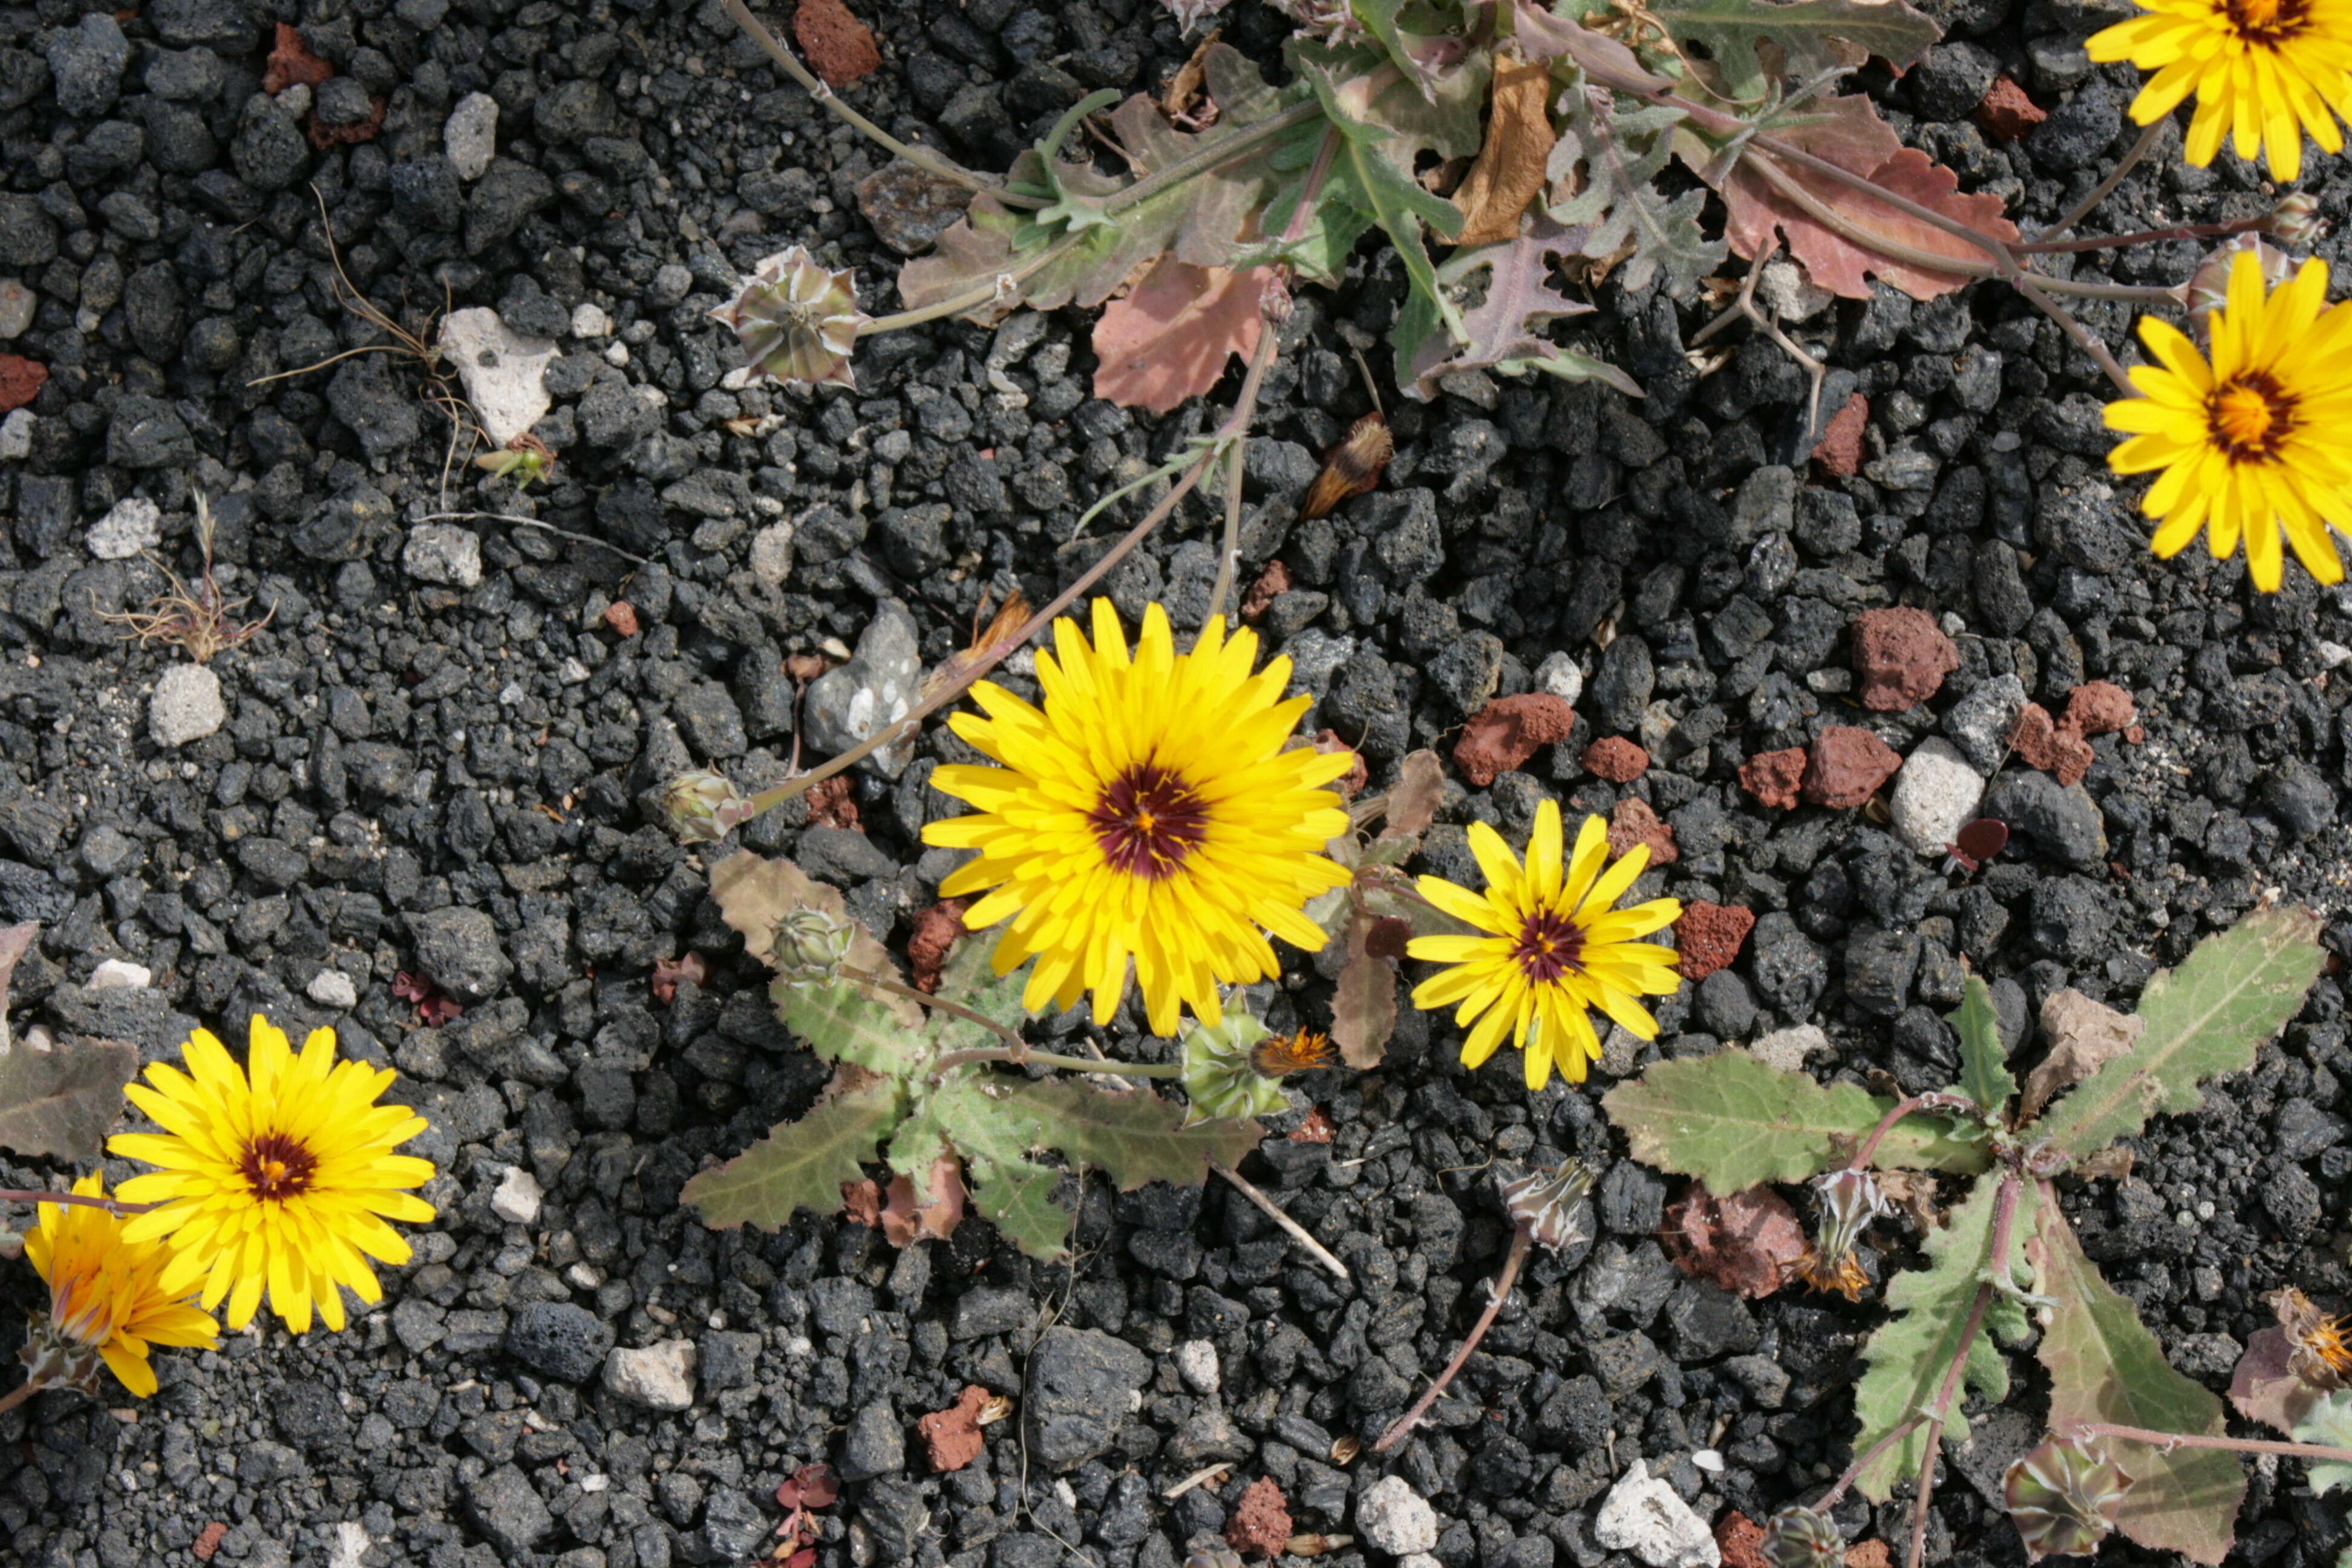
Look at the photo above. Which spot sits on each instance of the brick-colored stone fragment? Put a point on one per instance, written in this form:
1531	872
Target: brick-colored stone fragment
21	381
2098	708
1635	822
1508	732
1901	656
1357	776
936	930
1740	1539
1261	1522
1616	758
2039	742
1847	766
2007	113
1708	937
833	803
208	1540
291	62
1839	452
1772	777
1271	585
1868	1554
839	47
952	1437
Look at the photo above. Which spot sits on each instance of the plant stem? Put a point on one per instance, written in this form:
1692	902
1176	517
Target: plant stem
1894	1113
2099	193
114	1206
894	986
923	158
1521	1239
2004	1226
2145	236
1272	1211
2168	1440
19	1394
1024	1056
2028	284
1003	285
1829	1499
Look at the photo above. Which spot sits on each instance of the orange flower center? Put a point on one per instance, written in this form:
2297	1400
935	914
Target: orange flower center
1148	821
2250	416
2267	23
1549	945
1281	1055
276	1167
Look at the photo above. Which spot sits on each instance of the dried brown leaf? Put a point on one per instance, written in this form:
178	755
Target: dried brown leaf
1364	1005
1169	340
2083	1034
905	1220
1415	799
1187	90
2264	1387
1509	172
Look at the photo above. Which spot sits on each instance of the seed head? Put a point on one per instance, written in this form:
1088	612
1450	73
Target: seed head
2296	220
2064	1498
1550	1204
702	807
810	947
797	321
1803	1538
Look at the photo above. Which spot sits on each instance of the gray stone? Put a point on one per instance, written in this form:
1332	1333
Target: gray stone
1979	723
1649	1518
558	1339
869	694
28	235
1081	1387
1934	794
86	63
186	705
659	1377
734	1528
133	525
2061	821
874	1443
444	554
458	950
1560	676
507	1509
16	305
1393	1517
332	988
470	135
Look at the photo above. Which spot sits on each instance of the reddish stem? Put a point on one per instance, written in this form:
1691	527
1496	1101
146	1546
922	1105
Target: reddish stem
114	1206
1520	1240
1830	1499
2004	1226
2235	1444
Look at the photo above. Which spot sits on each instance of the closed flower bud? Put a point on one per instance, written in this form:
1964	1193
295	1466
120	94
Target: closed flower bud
810	947
1847	1200
2064	1498
1550	1204
702	807
796	320
1803	1538
1221	1073
2296	220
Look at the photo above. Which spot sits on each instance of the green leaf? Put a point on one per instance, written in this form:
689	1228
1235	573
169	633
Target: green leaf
1914	1350
2329	1424
60	1102
1136	1136
1218	1076
842	1023
1500	330
1808	37
2204	1020
1018	1195
1735	1121
2104	1366
1984	1065
990	1120
969	979
799	1164
1604	171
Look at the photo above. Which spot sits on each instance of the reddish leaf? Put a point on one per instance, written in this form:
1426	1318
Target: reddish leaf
804	1557
1169	340
905	1220
861	1204
2264	1387
291	62
1364	1006
666	974
1744	1243
1848	132
1415	799
811	1486
435	1006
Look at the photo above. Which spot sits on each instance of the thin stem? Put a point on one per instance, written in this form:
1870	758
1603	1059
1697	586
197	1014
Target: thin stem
1829	1499
2029	285
1004	285
2168	1440
1024	1056
2100	192
892	985
1923	1491
114	1206
2146	237
1520	1241
1272	1211
1894	1113
19	1394
922	157
1229	547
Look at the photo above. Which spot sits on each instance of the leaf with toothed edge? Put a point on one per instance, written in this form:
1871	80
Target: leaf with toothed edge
1807	36
1500	333
1136	1136
800	1165
1985	1077
1604	171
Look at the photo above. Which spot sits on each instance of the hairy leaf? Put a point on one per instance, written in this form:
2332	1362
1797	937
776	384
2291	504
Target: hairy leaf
1509	172
1604	171
2328	1424
1169	340
1985	1077
1848	132
2204	1018
990	1120
1499	332
969	978
1136	1136
800	1165
2083	1036
842	1023
1733	1122
1364	1004
1912	1350
1197	219
60	1102
753	894
2104	1366
1804	37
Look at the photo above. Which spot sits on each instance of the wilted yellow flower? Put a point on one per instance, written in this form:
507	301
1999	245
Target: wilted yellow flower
281	1182
106	1298
2263	70
1552	948
2257	443
1147	810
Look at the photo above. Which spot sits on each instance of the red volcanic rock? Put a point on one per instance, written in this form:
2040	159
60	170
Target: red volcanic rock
936	930
291	62
1260	1526
21	381
1616	758
1709	936
1846	767
1839	451
1741	1541
1901	656
951	1435
839	46
2039	742
2098	708
2006	112
1508	732
1772	777
1271	585
1635	822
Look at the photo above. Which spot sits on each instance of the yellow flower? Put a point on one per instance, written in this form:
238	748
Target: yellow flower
2259	442
1553	948
275	1183
106	1294
2263	70
1147	811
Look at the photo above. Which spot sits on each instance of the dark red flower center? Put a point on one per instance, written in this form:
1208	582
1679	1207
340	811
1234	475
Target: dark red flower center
1549	945
1147	821
2250	416
277	1167
2269	23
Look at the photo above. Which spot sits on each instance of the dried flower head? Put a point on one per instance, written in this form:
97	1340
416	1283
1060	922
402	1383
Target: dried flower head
1550	1204
809	947
796	320
2317	1353
1803	1538
1845	1201
2064	1498
1221	1076
1301	1050
702	807
2208	289
2296	220
107	1301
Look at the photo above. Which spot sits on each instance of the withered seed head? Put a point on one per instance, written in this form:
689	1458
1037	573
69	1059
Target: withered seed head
1353	467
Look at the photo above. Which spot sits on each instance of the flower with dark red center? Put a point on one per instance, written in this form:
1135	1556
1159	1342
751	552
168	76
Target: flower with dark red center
2264	72
1151	811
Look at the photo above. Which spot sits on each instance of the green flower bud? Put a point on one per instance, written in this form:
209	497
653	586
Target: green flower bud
1803	1538
810	947
1221	1074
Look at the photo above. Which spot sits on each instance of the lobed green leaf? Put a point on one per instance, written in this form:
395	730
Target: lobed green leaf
842	1023
800	1165
1985	1077
1807	37
1604	171
1136	1136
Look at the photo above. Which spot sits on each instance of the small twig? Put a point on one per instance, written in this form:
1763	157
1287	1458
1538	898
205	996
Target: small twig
2147	236
1228	551
1198	1478
114	1206
2099	193
1745	305
1291	1227
1521	1239
588	538
2028	286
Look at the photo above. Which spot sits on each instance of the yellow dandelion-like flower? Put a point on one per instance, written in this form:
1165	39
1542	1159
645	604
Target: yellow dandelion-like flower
280	1182
2263	70
1553	948
107	1295
2256	443
1147	811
